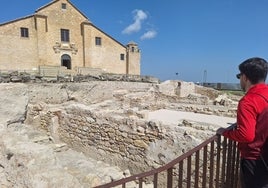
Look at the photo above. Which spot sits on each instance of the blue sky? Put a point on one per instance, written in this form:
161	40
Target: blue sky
198	40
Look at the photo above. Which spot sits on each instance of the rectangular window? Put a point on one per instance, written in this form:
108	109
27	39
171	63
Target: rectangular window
65	36
63	6
98	41
24	32
122	57
132	49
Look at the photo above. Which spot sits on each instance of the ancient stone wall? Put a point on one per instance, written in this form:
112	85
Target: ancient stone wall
127	141
108	121
177	87
58	75
117	139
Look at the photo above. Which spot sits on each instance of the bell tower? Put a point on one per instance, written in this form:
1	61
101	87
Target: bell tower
133	59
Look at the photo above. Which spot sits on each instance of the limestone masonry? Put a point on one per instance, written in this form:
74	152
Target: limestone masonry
61	37
90	133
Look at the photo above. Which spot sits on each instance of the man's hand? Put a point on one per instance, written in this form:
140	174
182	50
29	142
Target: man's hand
220	131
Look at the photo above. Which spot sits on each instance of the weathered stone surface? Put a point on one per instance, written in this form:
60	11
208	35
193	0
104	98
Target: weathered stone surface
14	101
30	158
24	77
105	121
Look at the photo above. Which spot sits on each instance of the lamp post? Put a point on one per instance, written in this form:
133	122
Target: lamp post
205	77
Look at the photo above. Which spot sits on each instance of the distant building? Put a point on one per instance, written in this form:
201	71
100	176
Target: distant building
223	86
59	35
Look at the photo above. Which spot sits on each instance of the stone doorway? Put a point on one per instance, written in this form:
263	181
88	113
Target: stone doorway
66	61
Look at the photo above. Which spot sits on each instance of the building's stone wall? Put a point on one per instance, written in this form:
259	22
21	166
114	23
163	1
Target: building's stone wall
44	45
58	19
107	55
16	52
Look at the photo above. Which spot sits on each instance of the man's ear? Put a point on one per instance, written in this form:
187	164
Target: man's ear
245	78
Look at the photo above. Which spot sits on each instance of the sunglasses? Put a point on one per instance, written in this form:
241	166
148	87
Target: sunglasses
238	76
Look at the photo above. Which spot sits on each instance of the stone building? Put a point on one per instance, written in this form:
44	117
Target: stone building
58	35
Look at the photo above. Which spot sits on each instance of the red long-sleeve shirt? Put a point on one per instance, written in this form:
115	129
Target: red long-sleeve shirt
249	108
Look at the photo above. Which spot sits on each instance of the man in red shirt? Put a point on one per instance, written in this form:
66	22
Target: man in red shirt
251	128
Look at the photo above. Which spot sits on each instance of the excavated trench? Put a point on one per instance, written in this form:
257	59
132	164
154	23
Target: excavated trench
107	122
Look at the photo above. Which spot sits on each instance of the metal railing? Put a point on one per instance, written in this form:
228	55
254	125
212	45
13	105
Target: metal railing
212	164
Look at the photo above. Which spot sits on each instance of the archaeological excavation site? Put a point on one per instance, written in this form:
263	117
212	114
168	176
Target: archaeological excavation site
88	134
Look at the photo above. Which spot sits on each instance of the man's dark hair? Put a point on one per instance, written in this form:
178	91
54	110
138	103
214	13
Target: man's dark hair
255	69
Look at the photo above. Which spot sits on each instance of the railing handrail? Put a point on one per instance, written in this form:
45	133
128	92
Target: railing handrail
167	166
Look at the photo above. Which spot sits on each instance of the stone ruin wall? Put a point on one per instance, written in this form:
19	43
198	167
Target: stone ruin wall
122	138
108	120
120	141
130	143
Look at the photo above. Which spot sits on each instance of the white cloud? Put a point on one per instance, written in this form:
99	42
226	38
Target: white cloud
139	16
149	35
